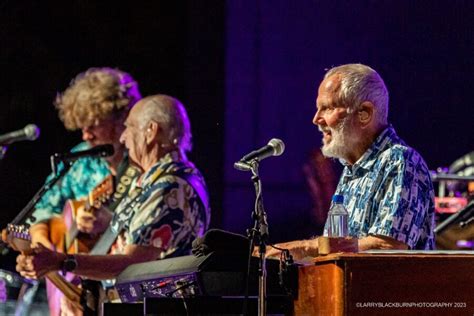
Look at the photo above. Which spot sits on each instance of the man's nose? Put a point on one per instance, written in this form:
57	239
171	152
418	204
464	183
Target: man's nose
87	134
318	119
122	137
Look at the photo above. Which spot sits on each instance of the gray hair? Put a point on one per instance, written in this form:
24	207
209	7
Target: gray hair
361	83
173	119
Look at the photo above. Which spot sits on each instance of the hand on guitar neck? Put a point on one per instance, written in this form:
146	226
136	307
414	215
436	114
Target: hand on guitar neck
38	262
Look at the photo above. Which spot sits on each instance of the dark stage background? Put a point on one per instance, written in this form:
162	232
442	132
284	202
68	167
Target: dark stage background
247	71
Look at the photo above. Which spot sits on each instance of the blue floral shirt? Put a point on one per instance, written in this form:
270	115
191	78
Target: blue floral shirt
389	192
171	210
85	174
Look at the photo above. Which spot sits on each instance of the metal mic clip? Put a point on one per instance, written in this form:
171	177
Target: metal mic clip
245	165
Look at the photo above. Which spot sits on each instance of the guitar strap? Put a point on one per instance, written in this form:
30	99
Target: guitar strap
126	172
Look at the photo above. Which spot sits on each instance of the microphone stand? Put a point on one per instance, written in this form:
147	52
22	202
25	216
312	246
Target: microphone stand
260	232
28	209
3	151
26	212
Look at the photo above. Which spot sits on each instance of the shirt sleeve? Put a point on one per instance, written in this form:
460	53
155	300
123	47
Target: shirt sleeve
405	196
52	201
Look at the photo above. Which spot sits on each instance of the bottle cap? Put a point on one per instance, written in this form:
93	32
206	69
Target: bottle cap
337	198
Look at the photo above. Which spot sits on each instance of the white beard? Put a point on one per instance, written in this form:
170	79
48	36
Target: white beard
341	142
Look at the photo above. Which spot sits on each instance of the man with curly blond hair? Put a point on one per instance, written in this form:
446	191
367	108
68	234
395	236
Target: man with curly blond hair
96	102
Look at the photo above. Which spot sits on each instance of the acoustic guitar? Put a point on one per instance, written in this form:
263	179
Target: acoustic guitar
63	231
66	238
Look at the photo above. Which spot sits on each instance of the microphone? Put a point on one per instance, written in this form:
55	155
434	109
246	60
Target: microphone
97	151
29	132
275	147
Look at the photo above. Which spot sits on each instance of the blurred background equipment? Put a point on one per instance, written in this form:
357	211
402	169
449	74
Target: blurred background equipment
455	204
17	300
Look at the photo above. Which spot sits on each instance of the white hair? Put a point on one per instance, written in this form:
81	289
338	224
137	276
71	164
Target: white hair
361	83
170	113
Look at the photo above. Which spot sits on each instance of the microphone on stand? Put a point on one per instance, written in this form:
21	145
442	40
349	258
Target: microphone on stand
97	151
259	235
275	147
29	132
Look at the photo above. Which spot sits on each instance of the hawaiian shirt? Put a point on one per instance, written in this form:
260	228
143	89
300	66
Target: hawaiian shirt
389	192
85	174
171	208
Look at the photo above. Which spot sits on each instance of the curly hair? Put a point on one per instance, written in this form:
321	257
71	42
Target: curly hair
96	94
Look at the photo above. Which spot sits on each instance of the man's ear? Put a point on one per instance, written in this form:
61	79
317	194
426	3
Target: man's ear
151	132
365	113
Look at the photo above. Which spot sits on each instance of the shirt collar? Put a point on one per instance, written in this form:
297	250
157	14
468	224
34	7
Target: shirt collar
159	167
387	137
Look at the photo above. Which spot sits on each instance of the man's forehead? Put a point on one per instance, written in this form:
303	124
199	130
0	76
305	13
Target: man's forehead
331	84
135	111
328	89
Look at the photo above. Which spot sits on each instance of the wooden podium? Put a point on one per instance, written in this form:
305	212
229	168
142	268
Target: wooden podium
388	283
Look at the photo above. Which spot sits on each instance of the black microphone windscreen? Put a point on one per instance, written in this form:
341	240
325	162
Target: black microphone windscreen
106	150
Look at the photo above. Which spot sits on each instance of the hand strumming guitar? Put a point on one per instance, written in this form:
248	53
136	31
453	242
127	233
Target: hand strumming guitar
93	221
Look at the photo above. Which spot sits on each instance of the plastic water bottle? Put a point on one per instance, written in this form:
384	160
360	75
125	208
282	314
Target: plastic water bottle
338	218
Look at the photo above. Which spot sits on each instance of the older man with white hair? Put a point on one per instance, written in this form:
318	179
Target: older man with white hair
166	209
386	184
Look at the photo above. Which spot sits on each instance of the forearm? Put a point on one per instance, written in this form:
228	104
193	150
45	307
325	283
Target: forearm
299	249
103	267
380	242
109	266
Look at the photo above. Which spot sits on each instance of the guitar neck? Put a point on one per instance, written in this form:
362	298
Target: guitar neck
70	291
19	239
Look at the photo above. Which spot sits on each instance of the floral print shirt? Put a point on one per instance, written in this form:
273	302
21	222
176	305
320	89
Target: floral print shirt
171	208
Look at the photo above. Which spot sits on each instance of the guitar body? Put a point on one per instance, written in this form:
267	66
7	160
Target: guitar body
66	238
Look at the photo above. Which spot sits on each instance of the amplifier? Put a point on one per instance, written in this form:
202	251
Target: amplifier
189	276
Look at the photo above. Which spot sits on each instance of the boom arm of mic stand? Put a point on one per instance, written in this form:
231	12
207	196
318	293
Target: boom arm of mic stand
462	215
3	151
28	209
